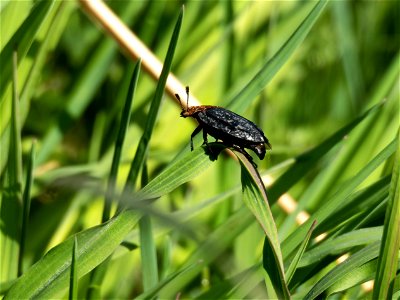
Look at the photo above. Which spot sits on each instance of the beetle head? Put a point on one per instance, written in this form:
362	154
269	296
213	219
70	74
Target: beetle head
259	149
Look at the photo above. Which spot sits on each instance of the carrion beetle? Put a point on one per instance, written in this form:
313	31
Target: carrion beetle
222	124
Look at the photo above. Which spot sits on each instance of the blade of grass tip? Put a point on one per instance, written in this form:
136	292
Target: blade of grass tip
26	204
154	108
148	251
293	265
242	100
12	196
119	142
73	279
255	197
390	244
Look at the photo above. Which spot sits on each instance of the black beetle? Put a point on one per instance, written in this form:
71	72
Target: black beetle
233	130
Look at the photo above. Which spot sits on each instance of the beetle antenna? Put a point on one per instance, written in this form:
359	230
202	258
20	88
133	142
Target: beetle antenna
187	96
180	102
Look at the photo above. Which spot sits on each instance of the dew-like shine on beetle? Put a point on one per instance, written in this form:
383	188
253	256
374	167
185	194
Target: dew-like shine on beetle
222	124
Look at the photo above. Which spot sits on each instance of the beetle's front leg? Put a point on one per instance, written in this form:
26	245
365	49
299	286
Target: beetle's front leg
196	131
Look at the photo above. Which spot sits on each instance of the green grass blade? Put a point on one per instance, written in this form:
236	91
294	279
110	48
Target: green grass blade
184	168
148	251
242	100
11	198
26	204
49	277
154	108
126	115
73	278
389	251
255	197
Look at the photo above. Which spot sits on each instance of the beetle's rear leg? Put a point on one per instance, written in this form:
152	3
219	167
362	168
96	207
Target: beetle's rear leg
196	131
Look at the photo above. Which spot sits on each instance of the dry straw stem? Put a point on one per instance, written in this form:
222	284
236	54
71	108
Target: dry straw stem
136	49
133	46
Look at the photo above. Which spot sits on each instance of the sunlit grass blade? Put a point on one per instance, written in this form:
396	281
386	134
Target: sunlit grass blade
242	100
255	197
73	279
390	245
154	108
26	204
295	262
119	142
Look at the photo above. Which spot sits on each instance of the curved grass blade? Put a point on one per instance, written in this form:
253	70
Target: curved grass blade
389	252
255	197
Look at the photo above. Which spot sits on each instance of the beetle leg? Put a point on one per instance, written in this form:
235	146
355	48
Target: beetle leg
196	131
205	140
